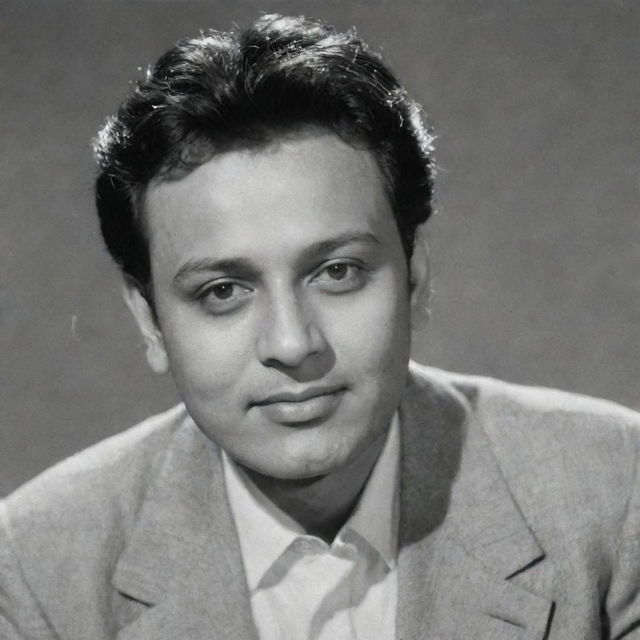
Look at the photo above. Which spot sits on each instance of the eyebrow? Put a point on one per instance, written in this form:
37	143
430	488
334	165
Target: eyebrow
248	269
332	244
207	265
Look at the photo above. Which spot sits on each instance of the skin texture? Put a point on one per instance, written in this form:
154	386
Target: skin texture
281	271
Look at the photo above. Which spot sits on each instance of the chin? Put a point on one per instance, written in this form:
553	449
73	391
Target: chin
293	475
315	464
306	472
297	464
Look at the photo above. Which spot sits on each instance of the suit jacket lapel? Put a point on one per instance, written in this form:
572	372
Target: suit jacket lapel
462	536
183	558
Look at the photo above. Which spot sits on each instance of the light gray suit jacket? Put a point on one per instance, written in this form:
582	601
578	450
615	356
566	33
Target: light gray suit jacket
520	519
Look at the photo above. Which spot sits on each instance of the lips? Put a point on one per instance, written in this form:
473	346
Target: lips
299	407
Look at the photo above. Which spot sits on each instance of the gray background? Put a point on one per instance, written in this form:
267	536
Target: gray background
535	251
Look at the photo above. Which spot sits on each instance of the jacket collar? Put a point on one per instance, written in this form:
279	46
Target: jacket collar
462	537
464	542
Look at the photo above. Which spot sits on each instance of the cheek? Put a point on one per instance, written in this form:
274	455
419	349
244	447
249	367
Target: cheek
206	361
375	334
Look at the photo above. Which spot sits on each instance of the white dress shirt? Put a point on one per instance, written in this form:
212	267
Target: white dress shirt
301	588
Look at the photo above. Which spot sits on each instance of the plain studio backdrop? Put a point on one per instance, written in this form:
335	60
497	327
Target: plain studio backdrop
535	248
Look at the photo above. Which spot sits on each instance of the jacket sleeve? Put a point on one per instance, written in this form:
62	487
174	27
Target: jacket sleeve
21	617
623	601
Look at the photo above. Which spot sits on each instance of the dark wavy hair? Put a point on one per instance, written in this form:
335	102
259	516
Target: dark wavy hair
223	91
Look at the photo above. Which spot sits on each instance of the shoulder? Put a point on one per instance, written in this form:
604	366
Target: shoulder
536	414
565	457
61	534
77	500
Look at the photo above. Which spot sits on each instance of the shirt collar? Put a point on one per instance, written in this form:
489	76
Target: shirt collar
265	532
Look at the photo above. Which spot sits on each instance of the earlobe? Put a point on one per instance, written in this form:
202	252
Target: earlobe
145	319
420	284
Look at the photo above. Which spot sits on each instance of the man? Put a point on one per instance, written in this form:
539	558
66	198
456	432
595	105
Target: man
262	192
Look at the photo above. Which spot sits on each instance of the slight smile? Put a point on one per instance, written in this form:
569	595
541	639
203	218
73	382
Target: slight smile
299	407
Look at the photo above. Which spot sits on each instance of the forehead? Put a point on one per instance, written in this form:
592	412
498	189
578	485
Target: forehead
294	191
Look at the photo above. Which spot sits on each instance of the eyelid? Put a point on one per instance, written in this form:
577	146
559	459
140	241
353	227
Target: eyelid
355	278
214	306
351	262
210	284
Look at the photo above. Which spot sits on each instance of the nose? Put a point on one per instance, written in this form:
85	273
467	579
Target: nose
290	333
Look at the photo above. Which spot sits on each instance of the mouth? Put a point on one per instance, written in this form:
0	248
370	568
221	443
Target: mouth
300	407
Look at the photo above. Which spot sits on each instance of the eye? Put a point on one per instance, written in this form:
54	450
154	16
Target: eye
223	297
338	271
340	277
222	291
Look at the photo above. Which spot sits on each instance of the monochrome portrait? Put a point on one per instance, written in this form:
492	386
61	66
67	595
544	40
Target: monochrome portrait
320	320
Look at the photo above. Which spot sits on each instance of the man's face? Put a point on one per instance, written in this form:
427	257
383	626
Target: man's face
281	292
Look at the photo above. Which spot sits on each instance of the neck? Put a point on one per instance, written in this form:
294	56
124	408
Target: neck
321	505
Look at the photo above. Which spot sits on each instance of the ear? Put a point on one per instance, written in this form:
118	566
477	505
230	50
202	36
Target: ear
420	284
146	321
